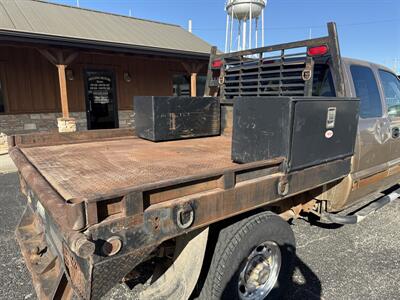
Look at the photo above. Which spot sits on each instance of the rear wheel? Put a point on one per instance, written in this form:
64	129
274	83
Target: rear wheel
253	259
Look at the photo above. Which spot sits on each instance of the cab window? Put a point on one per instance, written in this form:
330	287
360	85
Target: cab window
367	90
391	89
323	81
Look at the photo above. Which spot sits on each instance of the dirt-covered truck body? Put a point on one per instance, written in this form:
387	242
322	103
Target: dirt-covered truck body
101	204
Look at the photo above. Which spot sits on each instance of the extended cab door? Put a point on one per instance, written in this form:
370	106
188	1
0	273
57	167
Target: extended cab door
391	91
373	140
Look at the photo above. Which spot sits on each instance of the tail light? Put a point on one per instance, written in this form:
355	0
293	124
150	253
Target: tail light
217	63
317	51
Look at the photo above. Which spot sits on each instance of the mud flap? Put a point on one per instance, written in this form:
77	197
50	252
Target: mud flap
48	276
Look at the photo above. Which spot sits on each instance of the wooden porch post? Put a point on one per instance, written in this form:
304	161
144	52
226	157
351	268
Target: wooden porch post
193	84
193	69
63	91
65	123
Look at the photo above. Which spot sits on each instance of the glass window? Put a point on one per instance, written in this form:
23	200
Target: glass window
323	81
367	90
2	100
391	89
181	85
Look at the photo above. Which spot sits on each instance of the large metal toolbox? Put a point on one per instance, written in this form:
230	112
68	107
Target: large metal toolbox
169	118
306	131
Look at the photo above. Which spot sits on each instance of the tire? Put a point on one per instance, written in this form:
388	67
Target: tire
234	245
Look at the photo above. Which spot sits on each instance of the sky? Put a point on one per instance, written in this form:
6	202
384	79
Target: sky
368	29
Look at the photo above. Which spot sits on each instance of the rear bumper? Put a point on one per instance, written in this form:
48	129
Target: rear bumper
60	258
57	272
41	258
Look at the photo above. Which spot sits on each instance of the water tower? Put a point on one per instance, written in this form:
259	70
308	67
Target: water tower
239	14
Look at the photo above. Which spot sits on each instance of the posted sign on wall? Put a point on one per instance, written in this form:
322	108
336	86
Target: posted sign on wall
100	88
101	101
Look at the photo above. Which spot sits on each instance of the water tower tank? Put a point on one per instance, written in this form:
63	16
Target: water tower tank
240	9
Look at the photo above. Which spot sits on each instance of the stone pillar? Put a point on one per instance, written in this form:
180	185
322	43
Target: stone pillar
66	124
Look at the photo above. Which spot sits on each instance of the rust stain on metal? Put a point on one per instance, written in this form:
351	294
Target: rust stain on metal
155	222
43	265
172	121
74	272
54	205
161	195
101	167
370	179
52	138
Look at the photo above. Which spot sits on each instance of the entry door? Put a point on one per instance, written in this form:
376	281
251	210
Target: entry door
373	141
391	92
101	99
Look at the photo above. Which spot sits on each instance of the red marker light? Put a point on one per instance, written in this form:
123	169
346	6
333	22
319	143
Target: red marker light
217	63
317	51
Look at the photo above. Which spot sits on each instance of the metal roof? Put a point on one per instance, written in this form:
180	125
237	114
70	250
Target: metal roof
50	21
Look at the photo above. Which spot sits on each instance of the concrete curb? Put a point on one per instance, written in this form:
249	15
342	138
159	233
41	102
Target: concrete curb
6	164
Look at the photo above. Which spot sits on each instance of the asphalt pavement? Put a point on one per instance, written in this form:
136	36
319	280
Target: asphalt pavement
350	262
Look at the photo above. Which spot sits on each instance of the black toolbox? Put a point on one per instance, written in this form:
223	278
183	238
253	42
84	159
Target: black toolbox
168	118
306	131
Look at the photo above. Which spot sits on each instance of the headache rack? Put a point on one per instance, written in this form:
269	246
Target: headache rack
279	70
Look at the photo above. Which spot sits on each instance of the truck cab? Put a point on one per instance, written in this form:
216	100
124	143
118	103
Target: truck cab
375	164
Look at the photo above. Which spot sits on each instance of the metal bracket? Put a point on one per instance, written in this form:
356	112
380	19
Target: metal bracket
283	186
185	216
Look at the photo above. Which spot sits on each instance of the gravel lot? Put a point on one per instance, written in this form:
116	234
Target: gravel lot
350	262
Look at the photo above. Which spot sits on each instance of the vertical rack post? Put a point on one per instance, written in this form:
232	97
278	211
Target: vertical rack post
338	75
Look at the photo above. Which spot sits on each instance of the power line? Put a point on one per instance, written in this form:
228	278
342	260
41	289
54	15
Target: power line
314	26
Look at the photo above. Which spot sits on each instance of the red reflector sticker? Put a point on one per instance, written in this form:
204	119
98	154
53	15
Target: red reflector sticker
329	134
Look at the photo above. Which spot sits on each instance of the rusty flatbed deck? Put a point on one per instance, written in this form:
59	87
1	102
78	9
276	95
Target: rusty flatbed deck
144	192
100	167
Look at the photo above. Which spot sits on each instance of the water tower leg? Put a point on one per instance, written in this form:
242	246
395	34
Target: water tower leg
239	34
250	27
226	33
262	28
230	45
256	32
244	34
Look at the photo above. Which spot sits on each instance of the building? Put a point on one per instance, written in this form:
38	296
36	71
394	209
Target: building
84	67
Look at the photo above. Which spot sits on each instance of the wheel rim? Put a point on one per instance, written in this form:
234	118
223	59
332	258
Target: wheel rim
261	270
